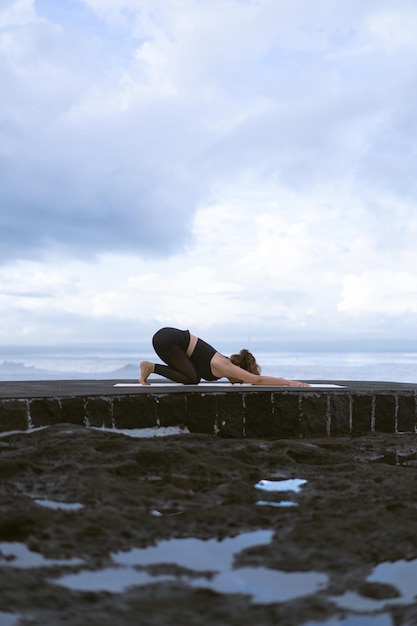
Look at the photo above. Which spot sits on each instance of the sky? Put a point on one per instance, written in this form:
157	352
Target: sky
242	168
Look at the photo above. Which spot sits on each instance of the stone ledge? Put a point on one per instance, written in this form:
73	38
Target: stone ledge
357	408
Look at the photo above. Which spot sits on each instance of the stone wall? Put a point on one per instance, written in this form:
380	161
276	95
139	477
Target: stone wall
241	413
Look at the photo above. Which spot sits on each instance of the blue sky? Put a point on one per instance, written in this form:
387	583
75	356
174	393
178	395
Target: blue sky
243	168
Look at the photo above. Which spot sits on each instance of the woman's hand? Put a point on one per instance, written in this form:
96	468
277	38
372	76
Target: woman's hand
297	383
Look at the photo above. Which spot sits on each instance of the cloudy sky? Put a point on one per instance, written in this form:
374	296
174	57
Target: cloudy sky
238	167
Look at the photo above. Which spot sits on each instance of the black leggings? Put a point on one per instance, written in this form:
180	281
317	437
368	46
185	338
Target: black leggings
171	344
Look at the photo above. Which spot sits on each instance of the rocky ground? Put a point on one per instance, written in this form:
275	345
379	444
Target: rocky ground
314	563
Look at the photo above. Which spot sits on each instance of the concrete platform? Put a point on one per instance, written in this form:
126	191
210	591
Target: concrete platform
352	408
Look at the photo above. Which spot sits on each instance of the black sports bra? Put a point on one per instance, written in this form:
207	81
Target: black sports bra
201	357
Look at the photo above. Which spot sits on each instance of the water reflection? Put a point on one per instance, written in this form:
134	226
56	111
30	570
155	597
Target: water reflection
265	585
278	486
210	566
112	579
292	484
59	506
401	574
399	577
359	620
397	458
7	619
283	503
14	554
203	556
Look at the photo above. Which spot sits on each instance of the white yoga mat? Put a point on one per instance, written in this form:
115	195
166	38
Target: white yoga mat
237	385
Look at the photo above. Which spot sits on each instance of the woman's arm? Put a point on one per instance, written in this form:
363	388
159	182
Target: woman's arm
272	380
222	367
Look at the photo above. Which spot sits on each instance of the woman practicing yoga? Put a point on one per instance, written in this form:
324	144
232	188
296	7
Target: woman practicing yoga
189	359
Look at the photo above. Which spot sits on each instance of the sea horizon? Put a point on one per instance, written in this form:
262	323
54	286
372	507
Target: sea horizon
121	362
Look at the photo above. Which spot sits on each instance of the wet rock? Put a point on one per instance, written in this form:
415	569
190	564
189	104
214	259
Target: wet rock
351	514
378	591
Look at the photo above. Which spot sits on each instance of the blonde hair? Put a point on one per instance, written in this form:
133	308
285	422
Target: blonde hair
246	361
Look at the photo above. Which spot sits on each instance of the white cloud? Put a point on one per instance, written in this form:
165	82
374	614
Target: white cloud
254	262
162	165
384	292
16	12
393	29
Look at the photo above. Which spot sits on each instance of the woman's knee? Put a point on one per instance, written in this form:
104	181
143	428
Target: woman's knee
193	380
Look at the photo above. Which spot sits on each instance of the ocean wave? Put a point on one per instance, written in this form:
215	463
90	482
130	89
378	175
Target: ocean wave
15	370
93	364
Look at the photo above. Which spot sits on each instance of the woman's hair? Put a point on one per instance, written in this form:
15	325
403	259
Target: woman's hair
246	361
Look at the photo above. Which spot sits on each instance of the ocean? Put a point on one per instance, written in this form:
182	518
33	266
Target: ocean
121	363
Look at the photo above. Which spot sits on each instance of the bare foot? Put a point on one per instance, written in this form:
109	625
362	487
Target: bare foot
146	369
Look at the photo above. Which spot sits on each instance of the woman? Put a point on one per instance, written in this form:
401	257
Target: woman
189	359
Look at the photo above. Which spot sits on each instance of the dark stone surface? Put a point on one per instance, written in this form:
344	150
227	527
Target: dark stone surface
406	416
73	411
134	412
45	412
91	388
230	415
171	409
339	411
201	412
99	412
356	511
286	414
13	415
385	413
225	410
259	415
313	416
361	414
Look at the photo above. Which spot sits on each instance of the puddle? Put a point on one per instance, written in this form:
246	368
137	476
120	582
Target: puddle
293	484
13	554
165	512
395	458
283	503
7	619
145	433
402	575
362	620
355	602
111	579
265	585
195	554
211	567
278	486
60	506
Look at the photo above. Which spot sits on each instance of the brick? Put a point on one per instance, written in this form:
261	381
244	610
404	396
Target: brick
72	411
171	409
99	412
13	415
259	414
385	413
406	417
230	415
201	412
361	414
286	415
313	418
339	415
45	412
134	411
